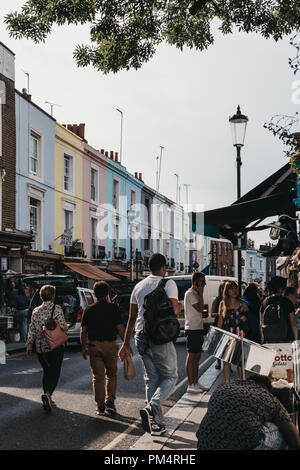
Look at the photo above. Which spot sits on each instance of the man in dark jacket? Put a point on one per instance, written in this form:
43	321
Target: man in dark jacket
99	328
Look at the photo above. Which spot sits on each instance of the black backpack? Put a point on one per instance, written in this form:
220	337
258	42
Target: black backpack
274	325
160	322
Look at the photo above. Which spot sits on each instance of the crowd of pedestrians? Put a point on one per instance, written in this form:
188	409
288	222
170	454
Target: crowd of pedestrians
251	316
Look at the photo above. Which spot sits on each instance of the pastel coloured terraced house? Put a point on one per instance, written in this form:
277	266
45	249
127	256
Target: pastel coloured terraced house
68	200
35	136
94	194
116	226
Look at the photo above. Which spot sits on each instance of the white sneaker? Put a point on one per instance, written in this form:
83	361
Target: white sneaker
194	388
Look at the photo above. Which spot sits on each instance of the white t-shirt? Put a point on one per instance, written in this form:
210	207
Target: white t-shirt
143	288
193	318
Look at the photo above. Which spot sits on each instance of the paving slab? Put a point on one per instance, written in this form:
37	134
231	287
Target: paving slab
182	419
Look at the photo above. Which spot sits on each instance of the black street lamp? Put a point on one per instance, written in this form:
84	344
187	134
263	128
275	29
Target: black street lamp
238	124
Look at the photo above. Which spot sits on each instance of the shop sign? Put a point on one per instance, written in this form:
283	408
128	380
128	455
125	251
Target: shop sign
66	238
283	364
214	256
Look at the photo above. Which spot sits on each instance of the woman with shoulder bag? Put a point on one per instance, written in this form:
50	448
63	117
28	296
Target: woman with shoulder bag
43	335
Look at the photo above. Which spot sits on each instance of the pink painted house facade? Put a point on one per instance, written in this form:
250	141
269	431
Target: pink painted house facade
94	177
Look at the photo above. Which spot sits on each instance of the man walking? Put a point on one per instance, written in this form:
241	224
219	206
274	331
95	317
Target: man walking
160	361
100	324
193	309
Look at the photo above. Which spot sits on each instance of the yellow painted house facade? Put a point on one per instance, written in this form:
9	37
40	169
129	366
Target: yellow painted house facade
69	149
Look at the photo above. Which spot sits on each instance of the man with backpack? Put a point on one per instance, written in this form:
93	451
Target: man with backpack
277	315
153	308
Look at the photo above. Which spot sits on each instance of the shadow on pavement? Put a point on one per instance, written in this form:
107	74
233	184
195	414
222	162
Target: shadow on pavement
31	428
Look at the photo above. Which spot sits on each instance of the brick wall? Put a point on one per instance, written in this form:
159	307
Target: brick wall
222	262
9	156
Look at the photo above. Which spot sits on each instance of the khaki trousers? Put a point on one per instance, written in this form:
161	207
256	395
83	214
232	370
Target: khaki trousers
104	365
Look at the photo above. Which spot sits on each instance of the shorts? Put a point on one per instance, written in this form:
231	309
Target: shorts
194	340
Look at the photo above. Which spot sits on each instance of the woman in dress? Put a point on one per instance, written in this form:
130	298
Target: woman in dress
232	318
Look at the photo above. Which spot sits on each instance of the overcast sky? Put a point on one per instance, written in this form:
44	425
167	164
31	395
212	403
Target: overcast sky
180	100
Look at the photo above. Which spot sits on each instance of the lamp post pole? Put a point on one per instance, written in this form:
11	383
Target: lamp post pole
177	190
238	126
121	137
238	165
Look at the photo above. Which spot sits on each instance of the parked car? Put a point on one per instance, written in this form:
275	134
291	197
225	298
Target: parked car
210	292
69	296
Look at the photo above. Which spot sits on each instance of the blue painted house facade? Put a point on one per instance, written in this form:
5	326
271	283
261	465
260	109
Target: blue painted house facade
255	267
35	137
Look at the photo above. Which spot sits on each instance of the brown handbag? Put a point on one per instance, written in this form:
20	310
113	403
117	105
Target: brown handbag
129	370
54	335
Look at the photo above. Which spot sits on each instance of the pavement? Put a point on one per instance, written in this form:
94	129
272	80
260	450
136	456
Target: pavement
15	347
183	419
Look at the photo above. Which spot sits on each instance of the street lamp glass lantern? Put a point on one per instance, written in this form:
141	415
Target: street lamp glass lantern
238	124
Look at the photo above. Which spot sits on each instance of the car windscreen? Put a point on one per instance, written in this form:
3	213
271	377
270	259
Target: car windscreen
67	298
182	285
38	281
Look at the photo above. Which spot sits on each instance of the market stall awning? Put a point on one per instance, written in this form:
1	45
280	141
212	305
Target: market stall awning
126	275
90	271
273	197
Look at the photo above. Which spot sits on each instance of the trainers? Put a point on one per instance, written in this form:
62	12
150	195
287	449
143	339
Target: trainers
194	388
110	408
157	429
46	401
100	410
146	421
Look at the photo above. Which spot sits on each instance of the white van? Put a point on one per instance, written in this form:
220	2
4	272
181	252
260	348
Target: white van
209	294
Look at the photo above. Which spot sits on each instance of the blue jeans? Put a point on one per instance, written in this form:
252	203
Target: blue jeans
21	316
160	365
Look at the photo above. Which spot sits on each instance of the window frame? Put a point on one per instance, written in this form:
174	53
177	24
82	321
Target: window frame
71	177
95	170
38	174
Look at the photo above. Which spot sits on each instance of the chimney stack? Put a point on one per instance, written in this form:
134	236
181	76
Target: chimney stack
76	129
111	155
26	95
81	130
102	151
140	176
106	154
116	157
136	175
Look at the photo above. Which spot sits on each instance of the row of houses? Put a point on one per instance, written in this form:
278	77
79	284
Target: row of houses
64	199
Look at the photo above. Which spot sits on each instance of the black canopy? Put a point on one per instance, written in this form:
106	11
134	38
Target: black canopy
274	196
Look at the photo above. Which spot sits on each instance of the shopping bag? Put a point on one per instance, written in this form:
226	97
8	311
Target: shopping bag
129	370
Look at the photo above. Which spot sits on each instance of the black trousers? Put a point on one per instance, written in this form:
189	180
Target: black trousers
51	363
